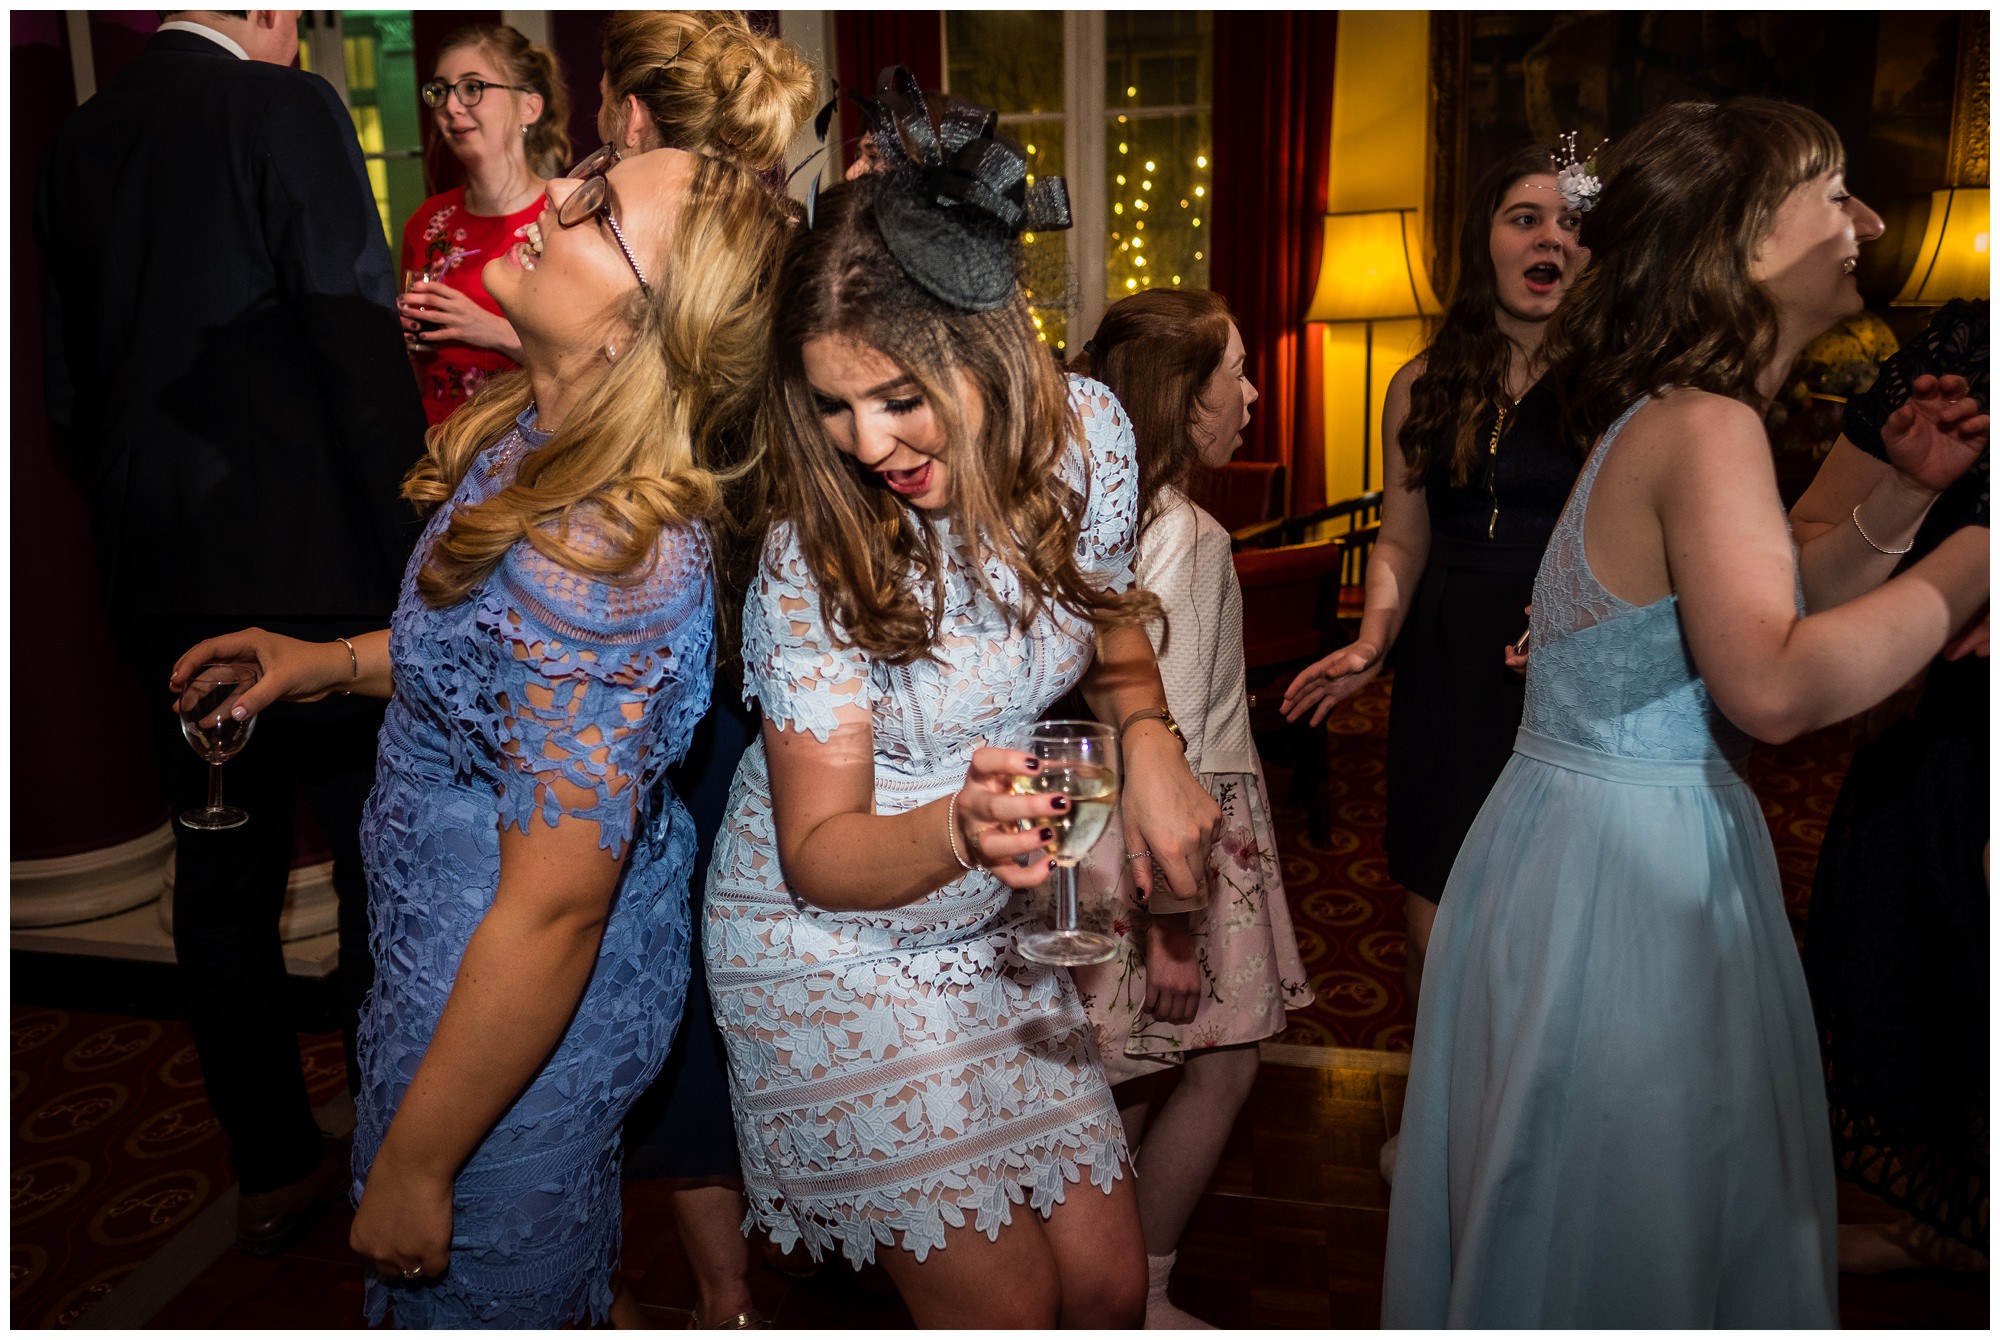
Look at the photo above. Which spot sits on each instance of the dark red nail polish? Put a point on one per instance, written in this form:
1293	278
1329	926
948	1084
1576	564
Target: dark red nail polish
1048	835
1059	804
1033	765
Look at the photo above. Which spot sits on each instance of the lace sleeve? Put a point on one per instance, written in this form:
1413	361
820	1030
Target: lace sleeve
1106	471
597	683
1955	342
791	664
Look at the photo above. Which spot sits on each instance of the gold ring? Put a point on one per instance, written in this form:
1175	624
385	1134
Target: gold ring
414	1272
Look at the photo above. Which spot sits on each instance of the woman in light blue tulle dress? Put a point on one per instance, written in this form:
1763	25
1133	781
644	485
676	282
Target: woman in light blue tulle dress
1615	1114
548	659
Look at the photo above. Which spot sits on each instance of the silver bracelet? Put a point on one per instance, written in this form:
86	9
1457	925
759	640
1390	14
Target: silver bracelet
951	831
1855	516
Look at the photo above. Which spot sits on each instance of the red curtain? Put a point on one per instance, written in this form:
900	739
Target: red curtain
866	40
1273	129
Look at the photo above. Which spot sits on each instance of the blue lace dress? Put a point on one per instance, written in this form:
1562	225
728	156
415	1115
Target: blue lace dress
1615	1116
898	1073
538	675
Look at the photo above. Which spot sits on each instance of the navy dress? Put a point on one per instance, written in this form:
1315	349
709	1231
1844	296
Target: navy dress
538	675
1897	937
1455	705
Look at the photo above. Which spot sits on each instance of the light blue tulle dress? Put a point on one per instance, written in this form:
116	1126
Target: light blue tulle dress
1615	1115
538	675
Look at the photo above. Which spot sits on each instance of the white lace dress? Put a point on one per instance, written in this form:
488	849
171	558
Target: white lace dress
898	1073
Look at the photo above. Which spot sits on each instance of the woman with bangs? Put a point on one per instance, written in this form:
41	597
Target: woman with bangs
1616	1115
952	551
550	654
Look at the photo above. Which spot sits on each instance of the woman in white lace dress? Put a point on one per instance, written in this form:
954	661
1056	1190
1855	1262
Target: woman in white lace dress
953	532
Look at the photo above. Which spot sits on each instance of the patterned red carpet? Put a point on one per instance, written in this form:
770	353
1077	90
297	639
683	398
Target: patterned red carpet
1349	913
114	1150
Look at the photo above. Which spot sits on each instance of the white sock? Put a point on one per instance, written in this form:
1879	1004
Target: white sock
1162	1315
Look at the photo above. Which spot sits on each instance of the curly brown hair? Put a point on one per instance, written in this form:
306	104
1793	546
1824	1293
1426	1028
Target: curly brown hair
1156	351
868	552
1689	197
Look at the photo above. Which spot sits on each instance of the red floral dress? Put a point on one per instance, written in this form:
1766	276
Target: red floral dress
451	244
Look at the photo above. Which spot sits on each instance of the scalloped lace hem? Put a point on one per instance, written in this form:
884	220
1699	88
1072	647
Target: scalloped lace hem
1023	1175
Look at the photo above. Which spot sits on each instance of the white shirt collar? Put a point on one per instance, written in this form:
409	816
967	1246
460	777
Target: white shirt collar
228	44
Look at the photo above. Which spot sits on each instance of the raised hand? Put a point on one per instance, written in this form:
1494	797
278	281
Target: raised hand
1935	436
1321	686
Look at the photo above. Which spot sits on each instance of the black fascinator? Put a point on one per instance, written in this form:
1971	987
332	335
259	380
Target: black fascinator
954	193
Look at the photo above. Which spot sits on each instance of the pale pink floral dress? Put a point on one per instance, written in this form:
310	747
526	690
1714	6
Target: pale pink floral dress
1249	959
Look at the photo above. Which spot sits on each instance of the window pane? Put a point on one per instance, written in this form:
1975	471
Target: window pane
1158	74
1157	59
1012	61
1157	171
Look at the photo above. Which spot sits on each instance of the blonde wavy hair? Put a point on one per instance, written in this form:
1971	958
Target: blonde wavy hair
647	445
710	83
868	552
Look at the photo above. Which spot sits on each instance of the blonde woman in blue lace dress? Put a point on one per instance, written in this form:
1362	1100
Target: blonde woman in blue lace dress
548	659
952	552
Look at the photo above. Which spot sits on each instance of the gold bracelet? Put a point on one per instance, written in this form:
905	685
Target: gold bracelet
1855	515
353	664
951	832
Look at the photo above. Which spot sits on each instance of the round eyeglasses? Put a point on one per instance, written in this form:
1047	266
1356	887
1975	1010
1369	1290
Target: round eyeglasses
592	199
469	91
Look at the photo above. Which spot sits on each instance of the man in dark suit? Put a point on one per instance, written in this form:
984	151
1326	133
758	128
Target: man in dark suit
225	359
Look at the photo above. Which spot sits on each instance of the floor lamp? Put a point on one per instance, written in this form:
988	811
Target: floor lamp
1370	270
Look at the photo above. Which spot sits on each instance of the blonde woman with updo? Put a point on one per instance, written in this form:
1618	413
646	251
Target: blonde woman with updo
498	106
702	80
549	656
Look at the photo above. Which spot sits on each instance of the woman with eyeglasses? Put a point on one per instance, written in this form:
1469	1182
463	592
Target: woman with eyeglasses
548	659
498	105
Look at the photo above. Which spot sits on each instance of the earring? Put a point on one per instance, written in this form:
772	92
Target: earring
611	353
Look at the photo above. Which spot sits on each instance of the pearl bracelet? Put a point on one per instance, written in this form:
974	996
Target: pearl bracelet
1855	516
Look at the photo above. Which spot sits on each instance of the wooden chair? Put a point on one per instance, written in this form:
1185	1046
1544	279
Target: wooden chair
1360	523
1291	618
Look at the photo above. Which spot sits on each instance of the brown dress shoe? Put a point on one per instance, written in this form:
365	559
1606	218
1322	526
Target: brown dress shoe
267	1221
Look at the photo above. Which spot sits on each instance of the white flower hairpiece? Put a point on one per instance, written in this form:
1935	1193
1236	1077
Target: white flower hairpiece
1576	179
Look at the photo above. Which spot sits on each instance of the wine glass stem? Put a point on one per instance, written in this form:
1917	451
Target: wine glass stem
1064	879
214	786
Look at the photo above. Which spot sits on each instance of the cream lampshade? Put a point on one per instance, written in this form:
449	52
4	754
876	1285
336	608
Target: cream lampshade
1956	258
1369	271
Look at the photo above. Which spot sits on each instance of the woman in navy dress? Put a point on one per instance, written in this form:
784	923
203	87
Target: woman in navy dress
548	659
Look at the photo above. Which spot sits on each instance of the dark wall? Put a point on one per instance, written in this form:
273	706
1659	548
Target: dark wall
83	769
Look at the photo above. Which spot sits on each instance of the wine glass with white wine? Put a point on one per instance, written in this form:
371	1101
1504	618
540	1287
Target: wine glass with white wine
1079	761
204	708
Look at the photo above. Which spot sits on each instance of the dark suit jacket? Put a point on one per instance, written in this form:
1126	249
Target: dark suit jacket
223	347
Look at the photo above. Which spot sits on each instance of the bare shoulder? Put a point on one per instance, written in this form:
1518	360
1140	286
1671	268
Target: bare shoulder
1687	425
1407	375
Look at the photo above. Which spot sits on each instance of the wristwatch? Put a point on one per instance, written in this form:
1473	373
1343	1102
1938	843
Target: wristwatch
1162	715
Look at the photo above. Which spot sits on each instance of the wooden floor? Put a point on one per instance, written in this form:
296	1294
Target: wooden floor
1289	1235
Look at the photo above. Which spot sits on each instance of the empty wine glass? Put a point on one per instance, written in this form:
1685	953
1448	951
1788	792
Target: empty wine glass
1080	761
204	709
